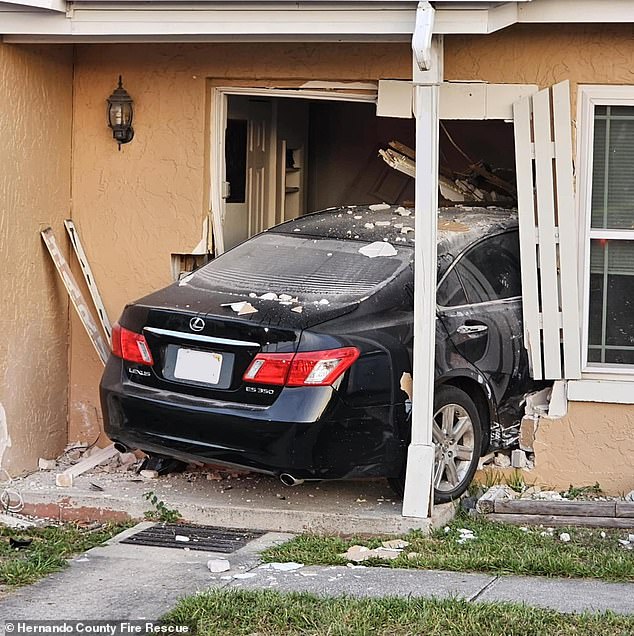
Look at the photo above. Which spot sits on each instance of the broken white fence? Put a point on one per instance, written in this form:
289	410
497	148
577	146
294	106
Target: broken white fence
548	233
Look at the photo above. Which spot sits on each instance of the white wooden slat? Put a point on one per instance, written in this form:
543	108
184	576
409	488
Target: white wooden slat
547	243
567	224
89	277
528	252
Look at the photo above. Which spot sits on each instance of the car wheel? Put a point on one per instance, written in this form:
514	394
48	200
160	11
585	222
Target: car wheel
457	435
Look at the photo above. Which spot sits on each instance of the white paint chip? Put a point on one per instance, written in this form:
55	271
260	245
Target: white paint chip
378	248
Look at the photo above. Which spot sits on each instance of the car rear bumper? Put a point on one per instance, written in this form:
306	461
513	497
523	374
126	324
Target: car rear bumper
308	432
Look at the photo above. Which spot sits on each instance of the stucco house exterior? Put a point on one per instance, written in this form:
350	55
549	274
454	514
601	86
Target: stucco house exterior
342	77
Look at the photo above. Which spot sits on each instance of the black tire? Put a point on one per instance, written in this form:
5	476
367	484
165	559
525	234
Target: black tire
162	465
455	405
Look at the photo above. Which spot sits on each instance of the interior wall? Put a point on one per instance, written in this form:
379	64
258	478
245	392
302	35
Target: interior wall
344	164
135	207
35	155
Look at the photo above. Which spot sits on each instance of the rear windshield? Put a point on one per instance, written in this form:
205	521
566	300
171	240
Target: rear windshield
299	266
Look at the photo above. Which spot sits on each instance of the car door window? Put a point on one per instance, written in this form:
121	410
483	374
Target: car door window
450	292
490	270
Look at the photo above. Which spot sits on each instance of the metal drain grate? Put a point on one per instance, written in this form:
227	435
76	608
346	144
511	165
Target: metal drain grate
204	538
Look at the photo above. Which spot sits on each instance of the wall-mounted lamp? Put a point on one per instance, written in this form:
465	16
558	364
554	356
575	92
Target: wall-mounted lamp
120	114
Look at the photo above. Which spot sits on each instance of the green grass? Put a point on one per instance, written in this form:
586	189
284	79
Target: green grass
48	552
268	613
498	548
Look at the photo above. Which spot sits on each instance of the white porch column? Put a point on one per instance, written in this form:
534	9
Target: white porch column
417	501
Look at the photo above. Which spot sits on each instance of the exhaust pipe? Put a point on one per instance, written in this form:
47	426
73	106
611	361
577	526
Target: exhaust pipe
289	480
121	448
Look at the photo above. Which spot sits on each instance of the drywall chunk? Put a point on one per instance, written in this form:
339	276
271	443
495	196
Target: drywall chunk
537	403
149	474
298	310
518	459
65	479
378	248
406	384
218	565
395	544
376	207
403	211
242	307
501	460
368	226
268	296
46	464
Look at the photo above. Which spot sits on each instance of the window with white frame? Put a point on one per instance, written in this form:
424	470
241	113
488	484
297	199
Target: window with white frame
607	205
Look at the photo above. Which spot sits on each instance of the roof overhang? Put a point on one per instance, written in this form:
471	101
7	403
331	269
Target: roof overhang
281	20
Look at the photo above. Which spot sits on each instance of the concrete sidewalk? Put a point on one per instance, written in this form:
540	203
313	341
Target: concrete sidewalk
121	581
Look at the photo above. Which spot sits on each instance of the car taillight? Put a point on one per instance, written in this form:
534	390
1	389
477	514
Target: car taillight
269	368
310	368
130	346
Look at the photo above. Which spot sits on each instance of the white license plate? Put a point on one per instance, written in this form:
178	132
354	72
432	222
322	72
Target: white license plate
198	366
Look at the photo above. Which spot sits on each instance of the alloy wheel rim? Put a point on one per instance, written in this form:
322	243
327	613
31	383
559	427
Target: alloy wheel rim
454	439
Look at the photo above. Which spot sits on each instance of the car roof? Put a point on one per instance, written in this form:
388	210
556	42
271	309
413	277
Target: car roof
458	226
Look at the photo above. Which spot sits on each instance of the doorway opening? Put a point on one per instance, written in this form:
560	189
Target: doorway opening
286	156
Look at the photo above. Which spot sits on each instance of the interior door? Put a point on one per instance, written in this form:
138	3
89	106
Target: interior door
259	161
249	167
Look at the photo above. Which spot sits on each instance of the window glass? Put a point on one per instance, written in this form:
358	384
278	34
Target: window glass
490	270
450	293
612	168
610	326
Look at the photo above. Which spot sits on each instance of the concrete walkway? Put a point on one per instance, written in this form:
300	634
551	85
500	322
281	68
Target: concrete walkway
121	581
246	501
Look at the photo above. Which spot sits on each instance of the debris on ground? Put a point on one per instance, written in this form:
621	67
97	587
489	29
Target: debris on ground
565	537
287	566
499	492
46	464
465	535
149	474
395	544
359	553
101	455
218	565
16	521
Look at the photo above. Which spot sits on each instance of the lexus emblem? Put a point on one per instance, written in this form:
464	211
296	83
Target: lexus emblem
196	324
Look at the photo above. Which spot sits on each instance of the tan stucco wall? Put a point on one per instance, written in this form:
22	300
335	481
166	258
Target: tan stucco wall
35	116
593	443
544	55
134	207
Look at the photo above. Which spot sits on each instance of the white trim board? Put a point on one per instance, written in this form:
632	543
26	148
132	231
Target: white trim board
607	391
590	96
350	21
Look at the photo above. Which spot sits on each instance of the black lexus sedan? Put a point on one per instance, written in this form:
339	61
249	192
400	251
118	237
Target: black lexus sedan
291	354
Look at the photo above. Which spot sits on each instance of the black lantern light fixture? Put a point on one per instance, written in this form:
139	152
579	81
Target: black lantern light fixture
120	114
